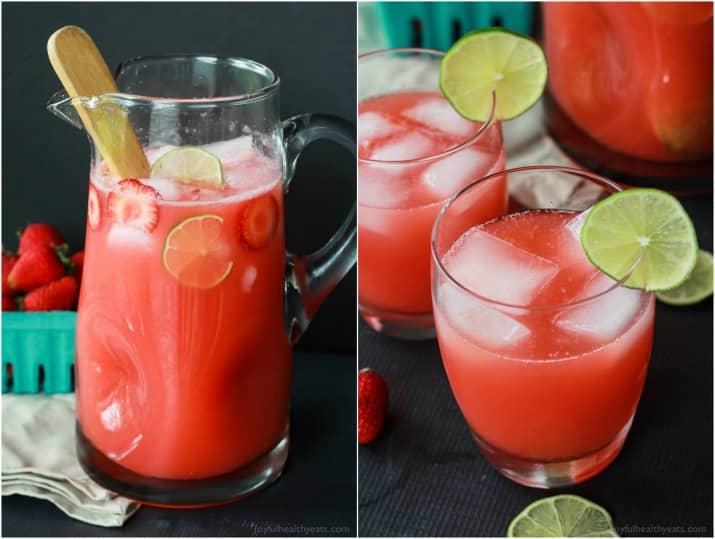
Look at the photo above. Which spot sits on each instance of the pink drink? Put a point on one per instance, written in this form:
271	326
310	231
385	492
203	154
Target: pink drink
415	152
549	381
176	381
636	77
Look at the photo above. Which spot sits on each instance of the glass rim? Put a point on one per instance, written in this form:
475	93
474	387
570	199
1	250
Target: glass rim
266	90
527	308
491	121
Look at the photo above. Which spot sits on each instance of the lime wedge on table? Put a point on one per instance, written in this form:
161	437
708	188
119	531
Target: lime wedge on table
643	228
489	61
564	515
189	164
695	288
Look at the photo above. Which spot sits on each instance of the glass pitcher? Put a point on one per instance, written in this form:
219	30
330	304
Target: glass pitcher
189	303
631	89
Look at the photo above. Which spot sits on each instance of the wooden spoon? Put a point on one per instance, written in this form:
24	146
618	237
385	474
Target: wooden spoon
84	73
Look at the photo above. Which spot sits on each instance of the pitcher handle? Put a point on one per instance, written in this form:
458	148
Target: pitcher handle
310	278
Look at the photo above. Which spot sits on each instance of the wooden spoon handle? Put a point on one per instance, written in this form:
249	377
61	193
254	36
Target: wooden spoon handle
84	73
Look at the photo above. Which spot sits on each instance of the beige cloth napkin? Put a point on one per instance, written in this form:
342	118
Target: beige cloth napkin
39	460
527	143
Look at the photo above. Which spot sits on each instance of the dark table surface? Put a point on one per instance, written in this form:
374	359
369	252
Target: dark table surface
315	496
425	476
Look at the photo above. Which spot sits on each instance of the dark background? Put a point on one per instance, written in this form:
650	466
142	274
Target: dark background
312	47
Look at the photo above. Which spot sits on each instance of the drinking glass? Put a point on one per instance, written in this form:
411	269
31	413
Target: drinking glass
414	152
549	386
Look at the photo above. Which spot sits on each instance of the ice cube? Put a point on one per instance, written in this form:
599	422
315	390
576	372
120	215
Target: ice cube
575	225
207	194
382	186
111	417
438	114
605	317
403	148
167	189
232	151
446	176
372	125
249	278
382	221
570	249
153	154
497	270
128	237
477	320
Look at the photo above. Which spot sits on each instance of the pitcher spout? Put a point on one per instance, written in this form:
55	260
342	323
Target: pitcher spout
62	106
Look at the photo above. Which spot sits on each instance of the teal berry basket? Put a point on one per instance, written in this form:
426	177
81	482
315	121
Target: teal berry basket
38	352
437	25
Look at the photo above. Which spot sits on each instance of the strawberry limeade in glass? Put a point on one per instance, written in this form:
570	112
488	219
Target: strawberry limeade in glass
161	374
414	152
190	303
546	355
635	77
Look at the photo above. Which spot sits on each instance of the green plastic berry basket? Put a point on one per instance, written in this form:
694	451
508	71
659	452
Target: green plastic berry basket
38	352
438	25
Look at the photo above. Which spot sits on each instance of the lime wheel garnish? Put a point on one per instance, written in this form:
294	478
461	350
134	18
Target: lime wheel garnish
493	62
197	251
190	164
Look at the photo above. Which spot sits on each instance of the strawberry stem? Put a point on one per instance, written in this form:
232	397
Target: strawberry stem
62	252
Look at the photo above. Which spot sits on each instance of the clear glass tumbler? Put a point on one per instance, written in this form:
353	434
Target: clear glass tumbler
546	355
414	152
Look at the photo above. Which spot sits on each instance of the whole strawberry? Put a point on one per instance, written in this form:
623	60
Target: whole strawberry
8	261
39	235
372	405
59	295
35	268
77	261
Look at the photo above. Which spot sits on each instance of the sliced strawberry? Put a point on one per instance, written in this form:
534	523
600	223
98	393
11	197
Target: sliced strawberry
93	207
258	222
39	235
8	261
59	295
8	304
77	260
35	268
134	203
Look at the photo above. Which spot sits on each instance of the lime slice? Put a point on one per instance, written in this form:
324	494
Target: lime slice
696	288
643	228
511	65
564	515
189	164
197	251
